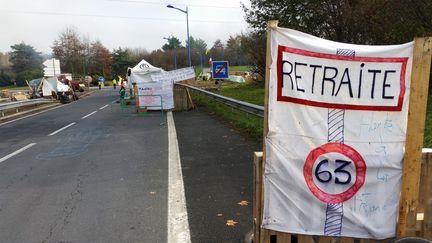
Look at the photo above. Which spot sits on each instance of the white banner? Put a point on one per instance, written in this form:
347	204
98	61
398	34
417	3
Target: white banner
175	75
151	94
337	127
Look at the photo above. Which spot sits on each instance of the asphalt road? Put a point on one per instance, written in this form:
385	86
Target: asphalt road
91	171
217	165
102	179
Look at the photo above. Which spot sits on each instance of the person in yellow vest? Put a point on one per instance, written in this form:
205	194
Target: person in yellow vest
114	83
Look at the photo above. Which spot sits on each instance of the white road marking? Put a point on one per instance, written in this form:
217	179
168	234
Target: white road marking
61	129
34	114
178	223
17	152
103	107
84	117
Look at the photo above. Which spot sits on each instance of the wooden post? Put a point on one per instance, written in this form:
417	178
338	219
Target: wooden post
257	199
272	24
414	141
427	182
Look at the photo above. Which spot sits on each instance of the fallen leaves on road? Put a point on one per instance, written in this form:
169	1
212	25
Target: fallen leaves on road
231	223
152	193
219	215
243	203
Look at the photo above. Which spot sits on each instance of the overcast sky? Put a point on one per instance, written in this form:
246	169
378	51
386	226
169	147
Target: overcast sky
118	23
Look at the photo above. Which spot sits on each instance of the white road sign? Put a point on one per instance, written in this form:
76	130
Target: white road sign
52	67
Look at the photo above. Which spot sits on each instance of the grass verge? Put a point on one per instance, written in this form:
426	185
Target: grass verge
12	87
240	68
251	125
252	93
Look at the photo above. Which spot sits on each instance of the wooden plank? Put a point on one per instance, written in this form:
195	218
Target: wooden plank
257	206
346	240
264	236
427	180
365	241
422	196
190	104
272	24
325	239
422	187
414	141
283	237
305	239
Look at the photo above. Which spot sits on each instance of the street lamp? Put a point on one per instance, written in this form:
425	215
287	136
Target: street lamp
174	45
187	25
201	59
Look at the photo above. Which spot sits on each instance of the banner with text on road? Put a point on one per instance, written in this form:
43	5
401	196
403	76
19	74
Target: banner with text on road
337	128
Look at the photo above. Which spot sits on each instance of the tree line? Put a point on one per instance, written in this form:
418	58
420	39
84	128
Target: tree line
82	57
367	22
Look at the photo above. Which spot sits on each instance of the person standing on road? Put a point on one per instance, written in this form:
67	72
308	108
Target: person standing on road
122	89
114	83
101	81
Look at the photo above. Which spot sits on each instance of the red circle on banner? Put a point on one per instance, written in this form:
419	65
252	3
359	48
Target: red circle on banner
360	167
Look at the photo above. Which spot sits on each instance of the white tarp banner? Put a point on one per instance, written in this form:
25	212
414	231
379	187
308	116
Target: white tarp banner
49	85
337	128
151	93
175	75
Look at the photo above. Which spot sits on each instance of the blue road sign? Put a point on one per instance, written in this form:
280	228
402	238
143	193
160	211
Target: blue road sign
220	69
102	79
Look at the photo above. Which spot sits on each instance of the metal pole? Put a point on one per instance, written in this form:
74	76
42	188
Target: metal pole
201	61
175	58
187	24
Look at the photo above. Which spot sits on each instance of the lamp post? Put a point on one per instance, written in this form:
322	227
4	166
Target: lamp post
187	25
174	45
201	59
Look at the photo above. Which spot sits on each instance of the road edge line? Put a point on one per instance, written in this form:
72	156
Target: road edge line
178	222
16	152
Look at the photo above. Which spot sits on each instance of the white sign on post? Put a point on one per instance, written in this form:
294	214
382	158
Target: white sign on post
52	67
153	94
337	120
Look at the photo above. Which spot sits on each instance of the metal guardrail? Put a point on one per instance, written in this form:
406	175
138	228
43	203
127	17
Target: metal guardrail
19	104
240	105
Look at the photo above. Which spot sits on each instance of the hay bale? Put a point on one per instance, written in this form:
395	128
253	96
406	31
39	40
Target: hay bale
4	94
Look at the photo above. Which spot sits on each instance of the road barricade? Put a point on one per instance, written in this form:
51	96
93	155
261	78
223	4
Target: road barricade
423	224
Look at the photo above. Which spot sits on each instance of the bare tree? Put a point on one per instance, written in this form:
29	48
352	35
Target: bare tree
68	48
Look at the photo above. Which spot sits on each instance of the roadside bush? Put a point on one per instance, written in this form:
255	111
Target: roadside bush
5	79
28	75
